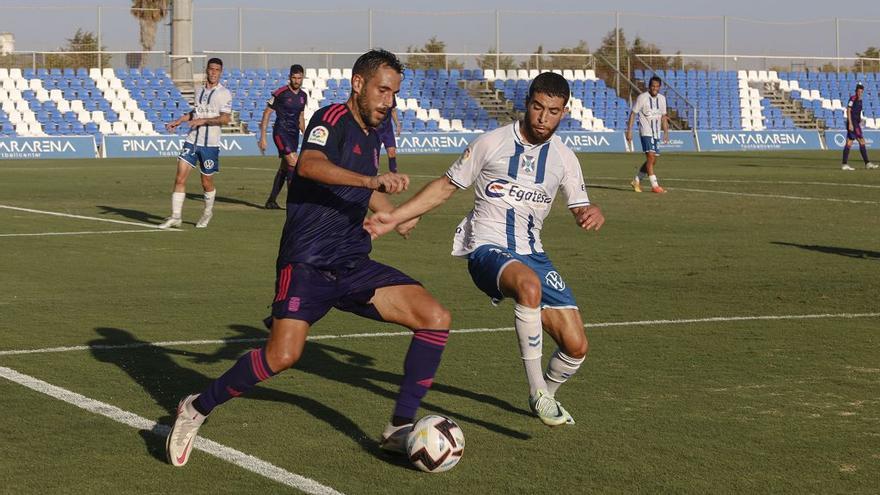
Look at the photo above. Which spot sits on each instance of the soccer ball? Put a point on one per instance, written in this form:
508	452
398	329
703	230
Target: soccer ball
435	444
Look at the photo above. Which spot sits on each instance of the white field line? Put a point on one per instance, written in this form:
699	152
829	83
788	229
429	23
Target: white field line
738	181
82	217
215	449
640	323
86	232
777	196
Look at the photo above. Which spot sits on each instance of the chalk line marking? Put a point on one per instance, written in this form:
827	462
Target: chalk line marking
176	343
215	449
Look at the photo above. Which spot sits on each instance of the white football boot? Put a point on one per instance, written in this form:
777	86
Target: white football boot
180	440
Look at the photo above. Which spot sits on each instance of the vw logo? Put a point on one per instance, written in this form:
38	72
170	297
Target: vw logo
209	164
554	280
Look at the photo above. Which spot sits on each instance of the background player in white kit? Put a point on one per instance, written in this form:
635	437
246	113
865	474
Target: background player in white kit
516	171
651	109
213	108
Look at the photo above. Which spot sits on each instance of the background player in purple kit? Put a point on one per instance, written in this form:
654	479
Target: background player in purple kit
289	103
854	129
323	260
388	130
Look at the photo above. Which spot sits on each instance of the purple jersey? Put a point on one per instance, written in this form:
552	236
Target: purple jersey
855	110
324	226
288	107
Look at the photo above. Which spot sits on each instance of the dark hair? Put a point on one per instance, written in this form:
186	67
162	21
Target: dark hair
296	69
859	86
655	78
550	84
368	63
214	60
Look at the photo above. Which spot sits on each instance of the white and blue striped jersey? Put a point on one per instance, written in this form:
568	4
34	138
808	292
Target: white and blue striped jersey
209	103
650	110
515	184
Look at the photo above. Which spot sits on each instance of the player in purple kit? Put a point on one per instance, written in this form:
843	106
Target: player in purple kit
323	260
289	103
388	130
854	129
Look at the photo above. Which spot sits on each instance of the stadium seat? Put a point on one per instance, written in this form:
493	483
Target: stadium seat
119	128
107	73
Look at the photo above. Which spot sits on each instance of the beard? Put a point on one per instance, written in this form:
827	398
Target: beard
364	110
532	135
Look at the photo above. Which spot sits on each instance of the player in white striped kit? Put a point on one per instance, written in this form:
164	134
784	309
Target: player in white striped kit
516	171
202	146
651	109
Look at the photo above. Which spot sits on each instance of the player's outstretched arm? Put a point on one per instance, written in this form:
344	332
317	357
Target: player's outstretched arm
315	165
431	196
589	217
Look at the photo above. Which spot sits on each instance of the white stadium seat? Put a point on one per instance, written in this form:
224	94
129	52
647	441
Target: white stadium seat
434	114
115	83
456	125
568	74
422	114
762	76
123	94
311	73
107	73
323	74
489	74
752	75
139	116
35	128
308	84
15	73
95	73
147	129
412	104
587	124
98	116
335	73
118	128
124	116
522	74
741	74
22	129
42	95
773	76
533	73
76	106
346	73
587	113
130	105
4	73
444	125
63	106
783	85
117	106
579	74
590	75
28	116
794	85
84	117
8	84
35	84
102	84
105	127
22	85
132	129
502	74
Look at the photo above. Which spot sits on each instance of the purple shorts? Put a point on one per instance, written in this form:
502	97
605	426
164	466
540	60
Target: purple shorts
854	134
387	137
286	143
307	293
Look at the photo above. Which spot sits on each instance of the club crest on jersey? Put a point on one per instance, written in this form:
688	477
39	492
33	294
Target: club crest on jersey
495	189
319	135
554	280
527	163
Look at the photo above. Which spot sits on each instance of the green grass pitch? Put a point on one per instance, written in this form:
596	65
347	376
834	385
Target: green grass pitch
669	399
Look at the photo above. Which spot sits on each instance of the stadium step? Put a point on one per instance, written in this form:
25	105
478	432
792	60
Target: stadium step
801	117
491	101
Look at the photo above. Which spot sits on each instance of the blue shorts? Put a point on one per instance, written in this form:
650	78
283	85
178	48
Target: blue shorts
486	263
855	134
651	145
207	157
305	292
286	142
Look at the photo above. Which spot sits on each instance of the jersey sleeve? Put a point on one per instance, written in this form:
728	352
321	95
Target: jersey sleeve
322	135
225	103
852	100
466	168
637	106
270	103
573	185
662	105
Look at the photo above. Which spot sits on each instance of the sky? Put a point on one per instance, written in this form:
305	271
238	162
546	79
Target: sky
754	27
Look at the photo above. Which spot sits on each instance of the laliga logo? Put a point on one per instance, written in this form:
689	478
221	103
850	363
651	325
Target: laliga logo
495	189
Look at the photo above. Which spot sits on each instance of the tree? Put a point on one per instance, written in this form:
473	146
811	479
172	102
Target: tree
606	56
492	61
435	57
563	59
148	13
82	41
872	65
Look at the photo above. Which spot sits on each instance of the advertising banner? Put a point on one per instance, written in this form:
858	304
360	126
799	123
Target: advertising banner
758	140
21	148
153	146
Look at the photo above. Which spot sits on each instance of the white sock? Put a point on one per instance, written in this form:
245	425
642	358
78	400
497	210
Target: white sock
653	179
209	200
560	369
641	176
177	203
529	333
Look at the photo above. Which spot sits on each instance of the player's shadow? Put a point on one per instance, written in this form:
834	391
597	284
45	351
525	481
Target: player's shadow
140	216
356	369
224	199
848	252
